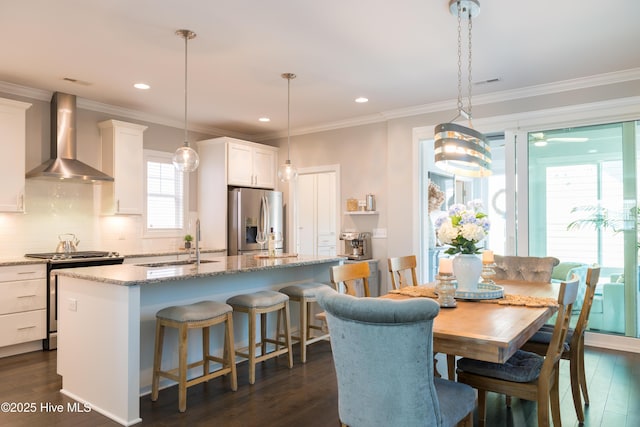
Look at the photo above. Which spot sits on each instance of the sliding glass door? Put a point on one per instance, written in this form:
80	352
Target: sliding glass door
583	187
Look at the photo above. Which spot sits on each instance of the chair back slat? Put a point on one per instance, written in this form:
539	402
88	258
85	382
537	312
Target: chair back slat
566	298
345	278
400	268
593	275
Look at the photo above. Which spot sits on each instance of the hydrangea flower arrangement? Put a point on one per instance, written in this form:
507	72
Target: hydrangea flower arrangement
463	228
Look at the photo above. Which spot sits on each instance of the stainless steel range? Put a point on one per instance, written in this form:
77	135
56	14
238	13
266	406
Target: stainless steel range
56	260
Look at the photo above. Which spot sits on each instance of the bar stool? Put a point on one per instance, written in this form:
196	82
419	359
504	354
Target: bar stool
261	303
305	295
201	315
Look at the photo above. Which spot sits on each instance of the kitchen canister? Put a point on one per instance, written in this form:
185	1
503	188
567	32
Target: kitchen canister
352	204
371	202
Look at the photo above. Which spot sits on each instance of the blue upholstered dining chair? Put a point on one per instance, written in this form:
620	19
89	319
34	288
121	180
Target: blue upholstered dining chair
526	375
383	356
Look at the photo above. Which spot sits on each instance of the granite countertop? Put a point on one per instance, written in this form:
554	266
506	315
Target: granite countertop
178	252
6	262
21	260
132	274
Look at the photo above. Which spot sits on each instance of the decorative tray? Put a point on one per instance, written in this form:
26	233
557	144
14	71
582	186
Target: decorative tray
485	291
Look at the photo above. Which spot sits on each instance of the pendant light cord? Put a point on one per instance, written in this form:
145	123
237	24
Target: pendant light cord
461	109
470	25
186	38
289	119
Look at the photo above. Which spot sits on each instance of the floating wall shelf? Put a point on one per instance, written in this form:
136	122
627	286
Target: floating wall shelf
361	213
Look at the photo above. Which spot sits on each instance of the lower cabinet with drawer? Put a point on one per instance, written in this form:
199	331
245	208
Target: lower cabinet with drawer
23	304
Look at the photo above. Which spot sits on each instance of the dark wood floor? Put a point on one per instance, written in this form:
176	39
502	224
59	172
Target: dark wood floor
303	396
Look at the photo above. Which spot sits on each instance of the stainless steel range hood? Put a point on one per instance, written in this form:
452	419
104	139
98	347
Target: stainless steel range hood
63	163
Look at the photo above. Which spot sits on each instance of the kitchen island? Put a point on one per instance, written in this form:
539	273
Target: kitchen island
106	319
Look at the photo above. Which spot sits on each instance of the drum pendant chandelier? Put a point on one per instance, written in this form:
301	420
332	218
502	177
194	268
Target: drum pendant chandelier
458	149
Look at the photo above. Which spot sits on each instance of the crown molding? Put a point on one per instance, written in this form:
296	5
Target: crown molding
87	104
490	98
525	92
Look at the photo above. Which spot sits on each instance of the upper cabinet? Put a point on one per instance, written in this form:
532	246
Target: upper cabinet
122	158
250	164
12	161
229	162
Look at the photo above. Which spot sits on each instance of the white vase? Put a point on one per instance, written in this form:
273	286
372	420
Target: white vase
467	269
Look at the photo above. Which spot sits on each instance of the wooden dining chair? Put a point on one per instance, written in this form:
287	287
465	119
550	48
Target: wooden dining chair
345	280
400	268
574	344
346	277
526	375
527	268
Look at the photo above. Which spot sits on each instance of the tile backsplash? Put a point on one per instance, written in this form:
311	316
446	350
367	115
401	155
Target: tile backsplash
54	208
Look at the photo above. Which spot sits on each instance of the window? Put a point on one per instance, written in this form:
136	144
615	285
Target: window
165	195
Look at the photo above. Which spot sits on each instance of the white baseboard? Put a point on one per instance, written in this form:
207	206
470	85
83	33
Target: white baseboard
612	342
26	347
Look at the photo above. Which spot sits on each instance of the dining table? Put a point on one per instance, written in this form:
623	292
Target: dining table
492	329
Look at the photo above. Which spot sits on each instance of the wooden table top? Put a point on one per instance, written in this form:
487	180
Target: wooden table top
490	332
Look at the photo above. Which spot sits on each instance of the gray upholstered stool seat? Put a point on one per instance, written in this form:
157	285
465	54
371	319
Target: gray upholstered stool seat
261	303
198	311
200	315
259	299
305	295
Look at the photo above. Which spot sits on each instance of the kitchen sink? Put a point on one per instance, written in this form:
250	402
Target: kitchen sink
175	263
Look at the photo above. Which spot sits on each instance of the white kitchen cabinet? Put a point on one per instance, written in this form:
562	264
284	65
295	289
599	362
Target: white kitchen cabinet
122	158
23	303
250	164
12	164
228	162
316	214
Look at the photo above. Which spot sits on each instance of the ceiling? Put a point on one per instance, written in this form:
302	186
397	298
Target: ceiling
400	55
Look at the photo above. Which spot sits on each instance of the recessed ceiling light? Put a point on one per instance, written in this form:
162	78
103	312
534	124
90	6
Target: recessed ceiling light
362	100
264	119
142	86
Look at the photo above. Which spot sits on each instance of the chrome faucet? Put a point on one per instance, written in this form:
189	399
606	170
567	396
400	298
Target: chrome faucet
198	241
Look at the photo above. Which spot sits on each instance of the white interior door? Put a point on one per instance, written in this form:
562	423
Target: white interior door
316	216
306	214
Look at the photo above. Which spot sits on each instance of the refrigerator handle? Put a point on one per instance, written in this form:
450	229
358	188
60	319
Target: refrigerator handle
264	214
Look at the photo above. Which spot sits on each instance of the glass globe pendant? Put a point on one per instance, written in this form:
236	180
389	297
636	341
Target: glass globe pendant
185	159
287	171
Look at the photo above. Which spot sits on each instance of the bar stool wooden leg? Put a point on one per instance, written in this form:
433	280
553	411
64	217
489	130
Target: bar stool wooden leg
304	328
206	358
288	333
230	353
252	345
182	363
157	360
263	333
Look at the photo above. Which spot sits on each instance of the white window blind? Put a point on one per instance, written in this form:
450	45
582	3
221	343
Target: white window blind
165	195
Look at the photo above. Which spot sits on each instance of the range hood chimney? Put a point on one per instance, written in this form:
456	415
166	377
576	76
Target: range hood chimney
63	164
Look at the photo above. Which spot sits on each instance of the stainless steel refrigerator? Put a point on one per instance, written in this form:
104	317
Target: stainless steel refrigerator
250	211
